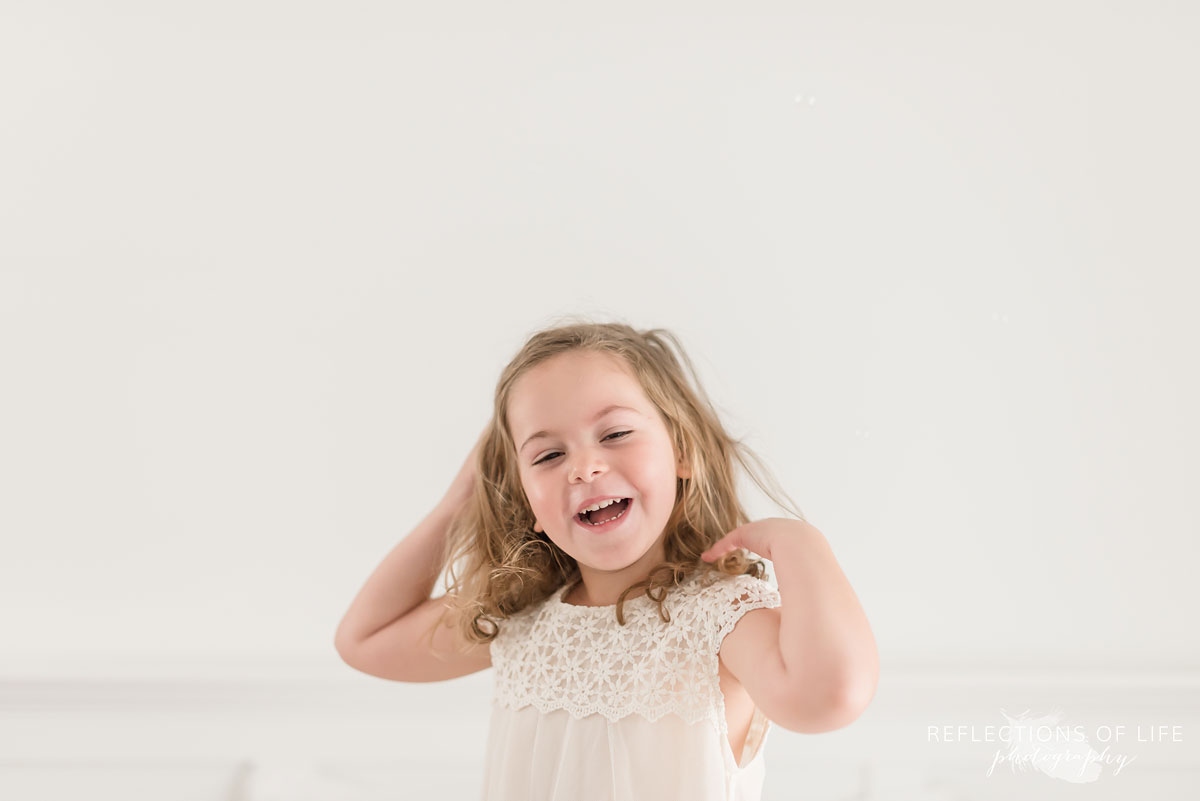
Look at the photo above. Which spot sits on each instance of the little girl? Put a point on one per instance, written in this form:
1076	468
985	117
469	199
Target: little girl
597	560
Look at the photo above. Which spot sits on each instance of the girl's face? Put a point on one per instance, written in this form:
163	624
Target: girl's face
563	427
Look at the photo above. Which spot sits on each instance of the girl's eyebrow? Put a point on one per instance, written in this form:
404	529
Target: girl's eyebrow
610	408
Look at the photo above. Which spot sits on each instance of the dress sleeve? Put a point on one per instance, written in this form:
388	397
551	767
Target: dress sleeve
737	596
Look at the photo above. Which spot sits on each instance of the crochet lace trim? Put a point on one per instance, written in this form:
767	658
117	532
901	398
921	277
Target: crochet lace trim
560	656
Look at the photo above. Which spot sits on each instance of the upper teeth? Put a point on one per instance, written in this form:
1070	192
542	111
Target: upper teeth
599	505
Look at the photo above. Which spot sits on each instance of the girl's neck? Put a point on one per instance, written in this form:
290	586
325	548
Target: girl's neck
577	595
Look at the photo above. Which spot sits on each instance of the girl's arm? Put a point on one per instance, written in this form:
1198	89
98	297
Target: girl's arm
403	580
406	576
824	634
826	657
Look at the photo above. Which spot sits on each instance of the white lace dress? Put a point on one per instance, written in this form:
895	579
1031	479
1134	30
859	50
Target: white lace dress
585	709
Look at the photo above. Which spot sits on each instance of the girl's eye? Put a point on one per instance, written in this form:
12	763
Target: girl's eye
548	456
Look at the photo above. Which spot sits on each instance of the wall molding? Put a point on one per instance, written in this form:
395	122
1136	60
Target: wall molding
232	738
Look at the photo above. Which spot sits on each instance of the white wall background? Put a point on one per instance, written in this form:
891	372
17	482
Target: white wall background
261	264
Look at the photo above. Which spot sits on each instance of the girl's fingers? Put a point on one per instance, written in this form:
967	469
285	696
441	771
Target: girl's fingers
719	549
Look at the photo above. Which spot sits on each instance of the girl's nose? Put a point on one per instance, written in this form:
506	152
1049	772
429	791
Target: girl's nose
586	463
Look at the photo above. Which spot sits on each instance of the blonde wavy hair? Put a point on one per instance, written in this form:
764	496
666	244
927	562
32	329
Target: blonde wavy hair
498	565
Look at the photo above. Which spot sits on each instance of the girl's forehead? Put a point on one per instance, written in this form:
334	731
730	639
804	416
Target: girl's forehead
579	363
569	390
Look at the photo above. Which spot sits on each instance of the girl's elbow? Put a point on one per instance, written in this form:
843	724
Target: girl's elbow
835	715
850	708
837	708
816	712
855	696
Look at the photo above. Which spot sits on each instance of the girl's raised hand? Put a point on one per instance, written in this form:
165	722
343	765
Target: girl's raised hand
463	485
755	536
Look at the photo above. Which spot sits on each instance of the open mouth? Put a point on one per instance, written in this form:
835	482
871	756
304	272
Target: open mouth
608	516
